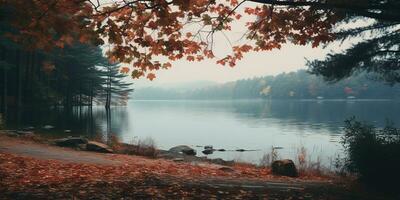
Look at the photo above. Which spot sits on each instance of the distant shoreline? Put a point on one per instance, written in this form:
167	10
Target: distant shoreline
261	99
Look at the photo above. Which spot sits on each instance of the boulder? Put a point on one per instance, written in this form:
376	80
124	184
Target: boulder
208	147
183	149
189	152
208	151
221	150
71	142
29	128
98	147
284	168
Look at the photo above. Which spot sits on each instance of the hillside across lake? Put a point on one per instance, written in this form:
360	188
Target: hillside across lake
294	85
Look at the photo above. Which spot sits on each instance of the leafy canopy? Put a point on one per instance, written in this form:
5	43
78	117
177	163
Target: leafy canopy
146	34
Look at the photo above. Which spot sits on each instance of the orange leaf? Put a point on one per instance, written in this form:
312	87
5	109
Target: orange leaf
151	76
125	70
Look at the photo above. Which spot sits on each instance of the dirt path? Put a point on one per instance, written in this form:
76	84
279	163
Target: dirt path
198	179
47	152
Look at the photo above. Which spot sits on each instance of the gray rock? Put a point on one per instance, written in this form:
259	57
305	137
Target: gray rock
220	161
284	168
71	141
25	133
208	151
98	147
226	169
190	152
183	149
12	134
178	159
4	131
29	135
208	147
81	147
48	127
221	150
29	128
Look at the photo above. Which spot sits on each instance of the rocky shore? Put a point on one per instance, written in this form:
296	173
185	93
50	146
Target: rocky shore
180	153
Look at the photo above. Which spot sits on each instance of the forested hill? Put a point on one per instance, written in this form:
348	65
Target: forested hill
294	85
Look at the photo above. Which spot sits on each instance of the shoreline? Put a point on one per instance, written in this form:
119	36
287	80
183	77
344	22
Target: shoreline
109	175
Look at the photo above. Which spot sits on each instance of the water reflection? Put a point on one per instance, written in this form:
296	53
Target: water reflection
81	121
224	124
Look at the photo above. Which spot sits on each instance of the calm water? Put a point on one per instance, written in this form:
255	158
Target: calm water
253	124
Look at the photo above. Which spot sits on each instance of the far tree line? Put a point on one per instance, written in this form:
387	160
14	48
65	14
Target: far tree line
293	85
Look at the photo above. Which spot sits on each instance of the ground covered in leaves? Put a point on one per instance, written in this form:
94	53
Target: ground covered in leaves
26	175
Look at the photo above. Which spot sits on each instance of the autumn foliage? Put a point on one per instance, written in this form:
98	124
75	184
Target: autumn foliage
147	35
22	177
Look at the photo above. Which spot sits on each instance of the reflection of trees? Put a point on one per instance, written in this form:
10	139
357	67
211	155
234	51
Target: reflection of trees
295	115
111	121
86	121
313	114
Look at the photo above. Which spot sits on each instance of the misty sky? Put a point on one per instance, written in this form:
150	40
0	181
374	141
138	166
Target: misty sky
289	58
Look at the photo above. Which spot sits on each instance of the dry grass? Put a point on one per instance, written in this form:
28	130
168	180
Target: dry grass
243	164
306	166
146	147
269	158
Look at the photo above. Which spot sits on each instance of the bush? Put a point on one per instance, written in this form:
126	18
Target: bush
146	147
373	154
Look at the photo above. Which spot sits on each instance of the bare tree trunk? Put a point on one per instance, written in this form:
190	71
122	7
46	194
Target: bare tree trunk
108	116
108	95
19	86
5	86
26	81
31	76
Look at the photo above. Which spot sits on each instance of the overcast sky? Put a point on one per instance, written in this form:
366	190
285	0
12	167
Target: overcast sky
289	58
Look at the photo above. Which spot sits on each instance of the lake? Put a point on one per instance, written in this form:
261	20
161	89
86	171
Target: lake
238	124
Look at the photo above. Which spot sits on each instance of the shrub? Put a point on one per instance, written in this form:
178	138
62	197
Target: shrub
373	154
146	147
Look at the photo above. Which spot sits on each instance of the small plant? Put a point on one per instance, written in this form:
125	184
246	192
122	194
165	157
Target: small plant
302	158
269	157
308	166
146	147
114	141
